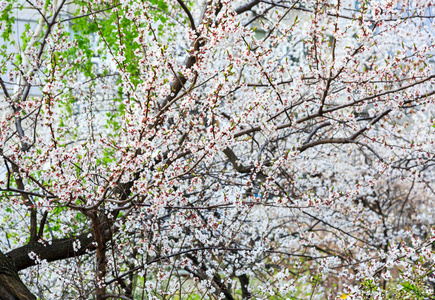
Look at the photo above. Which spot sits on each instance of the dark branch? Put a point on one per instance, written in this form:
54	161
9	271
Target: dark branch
189	15
234	161
57	250
246	7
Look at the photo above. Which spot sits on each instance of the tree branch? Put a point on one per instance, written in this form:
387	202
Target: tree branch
189	15
57	249
246	7
234	161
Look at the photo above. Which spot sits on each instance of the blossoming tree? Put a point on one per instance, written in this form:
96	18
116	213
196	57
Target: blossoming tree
217	149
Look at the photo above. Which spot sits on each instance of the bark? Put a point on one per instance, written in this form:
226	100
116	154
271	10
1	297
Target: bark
57	250
248	6
221	287
244	283
98	229
11	286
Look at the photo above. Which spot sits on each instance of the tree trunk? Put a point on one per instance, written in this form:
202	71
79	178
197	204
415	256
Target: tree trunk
11	286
